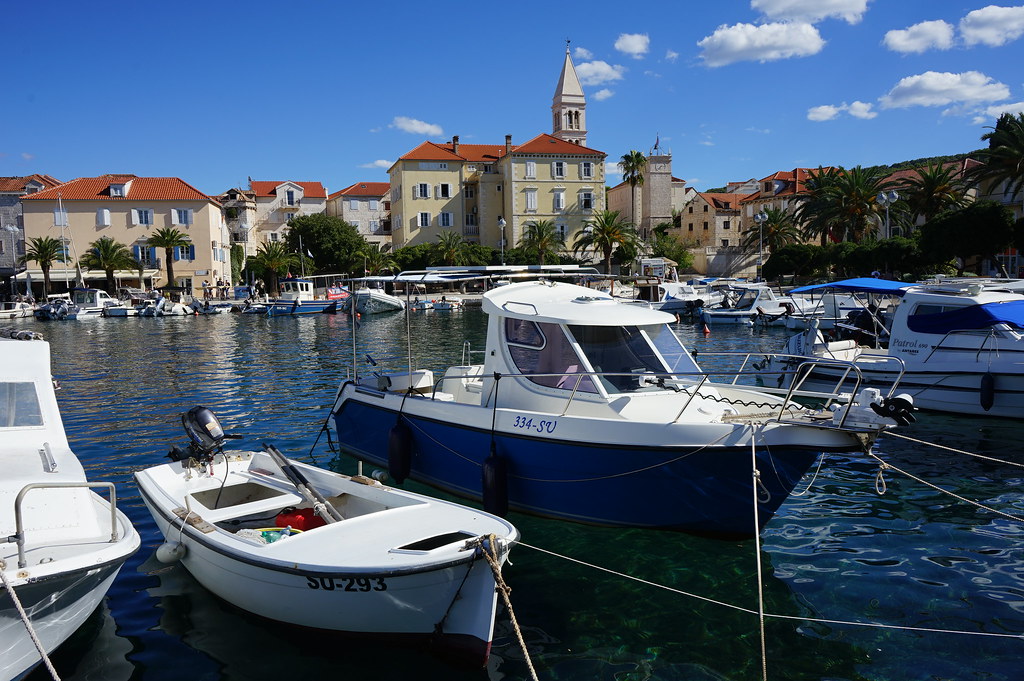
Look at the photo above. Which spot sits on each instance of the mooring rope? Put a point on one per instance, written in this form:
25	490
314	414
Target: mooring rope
490	552
954	450
757	551
27	621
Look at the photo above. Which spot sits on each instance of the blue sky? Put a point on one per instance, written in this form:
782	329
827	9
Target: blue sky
217	92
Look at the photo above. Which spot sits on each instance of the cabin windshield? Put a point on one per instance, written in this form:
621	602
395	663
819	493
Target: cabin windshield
622	353
83	297
542	352
747	298
19	405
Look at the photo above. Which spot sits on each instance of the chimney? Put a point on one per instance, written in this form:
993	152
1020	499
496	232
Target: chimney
455	144
508	144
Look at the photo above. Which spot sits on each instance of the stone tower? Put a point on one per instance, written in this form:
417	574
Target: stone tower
569	106
656	191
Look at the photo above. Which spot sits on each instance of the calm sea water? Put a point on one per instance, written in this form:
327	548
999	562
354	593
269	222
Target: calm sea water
913	558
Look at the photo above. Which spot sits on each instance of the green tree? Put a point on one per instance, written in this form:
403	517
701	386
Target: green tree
44	251
982	229
1003	161
777	231
632	166
375	260
842	204
933	189
450	248
334	244
602	233
542	239
273	259
169	238
237	263
668	246
108	255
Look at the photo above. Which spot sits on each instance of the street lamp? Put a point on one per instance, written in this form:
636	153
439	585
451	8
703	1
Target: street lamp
13	231
886	199
501	226
760	219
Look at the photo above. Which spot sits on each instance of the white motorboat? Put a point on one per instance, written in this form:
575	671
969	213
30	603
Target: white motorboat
446	303
15	310
163	307
590	409
85	303
375	300
421	304
61	544
956	347
755	302
309	547
682	297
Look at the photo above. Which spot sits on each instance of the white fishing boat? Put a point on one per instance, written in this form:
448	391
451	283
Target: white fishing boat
15	310
590	409
753	302
375	300
302	545
446	303
85	303
421	305
61	544
954	347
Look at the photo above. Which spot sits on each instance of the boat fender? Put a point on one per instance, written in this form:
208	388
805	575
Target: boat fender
170	552
400	451
495	485
987	394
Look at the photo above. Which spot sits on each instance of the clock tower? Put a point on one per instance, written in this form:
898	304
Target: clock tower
569	105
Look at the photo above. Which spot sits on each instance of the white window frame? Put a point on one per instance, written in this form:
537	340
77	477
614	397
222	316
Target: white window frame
586	170
558	199
421	190
444	219
558	169
142	216
531	170
423	220
586	196
443	191
531	200
353	204
181	216
373	204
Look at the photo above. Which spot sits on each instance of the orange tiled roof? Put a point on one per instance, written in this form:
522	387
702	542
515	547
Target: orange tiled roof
960	166
720	199
17	184
141	189
364	189
311	190
549	144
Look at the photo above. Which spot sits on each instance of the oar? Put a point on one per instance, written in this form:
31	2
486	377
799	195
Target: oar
329	513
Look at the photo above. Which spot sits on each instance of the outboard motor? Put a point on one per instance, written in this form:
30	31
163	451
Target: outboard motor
206	437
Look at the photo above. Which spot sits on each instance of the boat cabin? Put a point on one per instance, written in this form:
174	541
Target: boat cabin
296	289
92	297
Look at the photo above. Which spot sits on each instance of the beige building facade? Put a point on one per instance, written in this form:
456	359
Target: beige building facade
129	209
367	207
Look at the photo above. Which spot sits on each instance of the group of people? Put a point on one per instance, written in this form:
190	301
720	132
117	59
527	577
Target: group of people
221	289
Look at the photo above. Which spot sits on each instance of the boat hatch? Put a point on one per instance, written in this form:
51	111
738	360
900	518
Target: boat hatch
235	495
436	542
19	405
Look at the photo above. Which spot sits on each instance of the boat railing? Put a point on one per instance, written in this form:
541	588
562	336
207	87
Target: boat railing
992	333
468	352
19	523
691	382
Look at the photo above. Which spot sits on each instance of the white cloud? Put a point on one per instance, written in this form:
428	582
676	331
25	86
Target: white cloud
825	112
406	124
828	112
767	42
812	11
992	25
939	89
603	94
921	37
671	55
636	45
599	72
379	163
612	168
861	110
583	54
989	114
27	156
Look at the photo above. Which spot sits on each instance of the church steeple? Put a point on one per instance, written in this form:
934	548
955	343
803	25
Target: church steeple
569	105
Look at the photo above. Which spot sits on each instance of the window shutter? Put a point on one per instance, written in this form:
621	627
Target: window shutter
554	171
174	216
191	252
191	214
137	250
152	254
177	253
135	216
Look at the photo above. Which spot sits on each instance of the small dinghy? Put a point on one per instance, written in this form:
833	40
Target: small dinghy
298	544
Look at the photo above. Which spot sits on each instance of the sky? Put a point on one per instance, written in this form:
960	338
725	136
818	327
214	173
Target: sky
219	92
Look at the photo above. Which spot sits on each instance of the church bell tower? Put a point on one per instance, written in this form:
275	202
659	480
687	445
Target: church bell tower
569	105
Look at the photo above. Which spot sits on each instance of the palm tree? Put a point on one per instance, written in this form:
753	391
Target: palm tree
375	260
603	233
632	167
274	258
842	203
44	251
777	231
935	188
1003	161
108	255
542	237
169	238
451	249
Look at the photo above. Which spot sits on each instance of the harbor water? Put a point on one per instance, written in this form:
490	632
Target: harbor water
866	575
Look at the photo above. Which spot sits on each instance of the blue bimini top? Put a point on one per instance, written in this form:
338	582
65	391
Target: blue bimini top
971	317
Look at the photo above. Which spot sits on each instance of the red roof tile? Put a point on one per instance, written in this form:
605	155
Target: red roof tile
542	144
311	190
364	189
549	144
17	184
141	189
